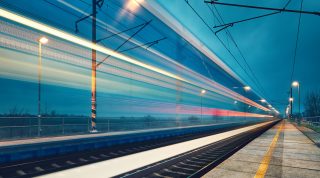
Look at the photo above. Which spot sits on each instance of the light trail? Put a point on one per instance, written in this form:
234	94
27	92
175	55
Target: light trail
197	79
122	69
223	90
138	106
80	41
199	46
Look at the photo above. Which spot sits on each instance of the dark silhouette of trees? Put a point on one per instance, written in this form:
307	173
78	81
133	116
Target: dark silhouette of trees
16	112
148	119
194	119
312	104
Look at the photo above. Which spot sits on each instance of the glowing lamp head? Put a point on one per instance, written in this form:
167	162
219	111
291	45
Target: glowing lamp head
133	5
247	88
295	84
263	100
203	91
290	99
43	40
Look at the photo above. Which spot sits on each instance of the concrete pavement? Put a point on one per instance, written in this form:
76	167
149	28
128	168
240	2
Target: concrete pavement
282	151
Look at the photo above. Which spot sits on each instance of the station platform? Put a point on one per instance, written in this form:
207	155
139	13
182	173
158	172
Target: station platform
282	151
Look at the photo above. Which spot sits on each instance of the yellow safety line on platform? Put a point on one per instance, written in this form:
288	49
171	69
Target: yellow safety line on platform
267	157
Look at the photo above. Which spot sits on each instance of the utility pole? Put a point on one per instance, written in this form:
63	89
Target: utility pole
41	41
299	102
297	84
94	71
95	65
202	92
39	87
291	101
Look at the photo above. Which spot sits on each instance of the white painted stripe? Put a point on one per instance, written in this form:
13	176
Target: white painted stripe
117	166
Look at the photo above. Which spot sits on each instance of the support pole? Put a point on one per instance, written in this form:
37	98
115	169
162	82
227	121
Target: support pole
201	110
291	101
245	106
94	71
39	87
299	117
299	98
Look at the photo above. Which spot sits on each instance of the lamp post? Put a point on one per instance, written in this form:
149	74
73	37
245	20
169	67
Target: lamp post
297	84
41	41
263	101
291	104
201	95
287	111
246	89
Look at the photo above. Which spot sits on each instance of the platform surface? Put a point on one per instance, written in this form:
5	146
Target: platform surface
282	151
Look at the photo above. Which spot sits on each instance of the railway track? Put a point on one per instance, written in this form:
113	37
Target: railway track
198	162
31	168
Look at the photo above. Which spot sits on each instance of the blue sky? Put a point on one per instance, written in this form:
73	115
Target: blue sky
267	43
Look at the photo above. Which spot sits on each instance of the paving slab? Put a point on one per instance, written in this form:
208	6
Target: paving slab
292	155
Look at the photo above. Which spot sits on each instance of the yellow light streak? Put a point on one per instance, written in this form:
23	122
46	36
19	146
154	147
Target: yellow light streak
80	41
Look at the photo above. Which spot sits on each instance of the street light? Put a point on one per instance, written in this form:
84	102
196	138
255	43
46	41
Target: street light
201	95
41	41
290	99
297	84
263	100
287	110
247	88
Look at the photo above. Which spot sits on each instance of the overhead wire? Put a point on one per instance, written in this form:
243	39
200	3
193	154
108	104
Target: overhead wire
229	51
223	44
276	12
248	19
296	45
262	8
255	79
